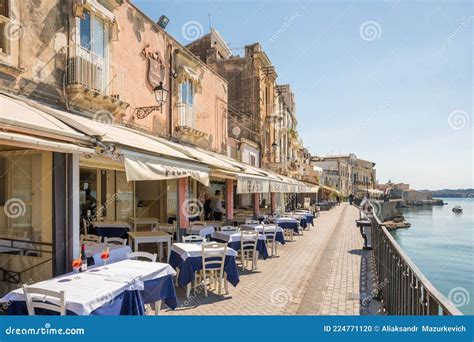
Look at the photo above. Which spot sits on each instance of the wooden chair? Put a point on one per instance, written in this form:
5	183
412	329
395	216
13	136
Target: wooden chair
248	248
142	255
270	235
213	260
288	233
193	239
229	229
115	241
44	299
91	238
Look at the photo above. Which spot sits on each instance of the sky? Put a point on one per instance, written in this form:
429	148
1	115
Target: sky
388	80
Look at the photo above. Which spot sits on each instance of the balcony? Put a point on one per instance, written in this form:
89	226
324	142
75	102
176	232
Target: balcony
185	115
185	130
93	82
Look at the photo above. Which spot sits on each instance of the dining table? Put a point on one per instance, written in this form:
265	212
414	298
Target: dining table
94	252
121	288
110	229
187	259
288	223
232	239
280	233
204	231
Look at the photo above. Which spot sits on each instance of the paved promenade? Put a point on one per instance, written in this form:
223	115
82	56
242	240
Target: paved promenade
317	273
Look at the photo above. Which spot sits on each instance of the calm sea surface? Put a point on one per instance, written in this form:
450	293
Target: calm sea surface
441	244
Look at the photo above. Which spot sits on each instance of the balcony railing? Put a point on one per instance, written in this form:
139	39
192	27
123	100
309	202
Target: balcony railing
404	289
95	73
186	115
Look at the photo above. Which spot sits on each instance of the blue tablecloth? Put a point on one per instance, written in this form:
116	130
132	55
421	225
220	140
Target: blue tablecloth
288	225
309	219
261	247
280	238
128	303
121	232
188	267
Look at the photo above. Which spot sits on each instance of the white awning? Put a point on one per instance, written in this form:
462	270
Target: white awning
20	114
186	73
27	141
251	185
140	167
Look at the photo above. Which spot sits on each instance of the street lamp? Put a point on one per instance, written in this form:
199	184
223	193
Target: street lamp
161	96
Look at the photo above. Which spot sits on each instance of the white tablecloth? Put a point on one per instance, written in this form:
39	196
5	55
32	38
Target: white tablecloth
201	230
117	252
231	236
259	227
191	250
99	286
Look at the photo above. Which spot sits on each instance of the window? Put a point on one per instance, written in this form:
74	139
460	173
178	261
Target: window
186	104
186	93
4	8
4	21
253	160
92	34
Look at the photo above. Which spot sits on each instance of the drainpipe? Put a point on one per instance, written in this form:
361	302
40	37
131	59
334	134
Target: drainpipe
170	80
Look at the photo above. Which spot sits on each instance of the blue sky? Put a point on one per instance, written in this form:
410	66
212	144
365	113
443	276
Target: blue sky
388	80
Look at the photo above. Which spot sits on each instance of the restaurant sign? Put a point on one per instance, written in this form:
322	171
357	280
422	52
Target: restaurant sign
252	185
155	66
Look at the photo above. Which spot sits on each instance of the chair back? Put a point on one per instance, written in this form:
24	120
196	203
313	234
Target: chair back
251	221
248	240
270	233
213	256
229	229
91	238
193	239
142	255
115	241
44	299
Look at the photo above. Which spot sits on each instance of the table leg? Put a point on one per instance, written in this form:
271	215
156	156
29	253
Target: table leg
168	250
188	290
135	245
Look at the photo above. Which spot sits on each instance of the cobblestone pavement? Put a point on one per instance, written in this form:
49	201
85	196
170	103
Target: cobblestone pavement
302	279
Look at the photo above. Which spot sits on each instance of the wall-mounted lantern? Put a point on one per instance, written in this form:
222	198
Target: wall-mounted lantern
161	96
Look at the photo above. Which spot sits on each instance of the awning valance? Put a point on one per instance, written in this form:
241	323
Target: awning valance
186	73
27	141
251	185
140	167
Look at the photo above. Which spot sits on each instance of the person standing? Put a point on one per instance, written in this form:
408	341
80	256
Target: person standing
207	207
351	199
216	206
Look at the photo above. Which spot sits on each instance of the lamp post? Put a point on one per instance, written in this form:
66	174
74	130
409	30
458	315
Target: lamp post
161	96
